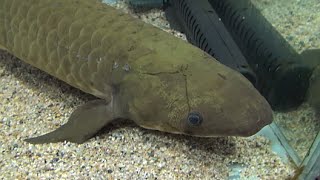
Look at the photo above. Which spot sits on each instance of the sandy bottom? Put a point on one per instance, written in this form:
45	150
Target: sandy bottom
33	103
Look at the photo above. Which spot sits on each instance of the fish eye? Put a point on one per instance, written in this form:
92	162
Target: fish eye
194	118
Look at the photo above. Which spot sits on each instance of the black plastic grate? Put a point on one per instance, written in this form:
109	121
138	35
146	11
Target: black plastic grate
282	76
204	30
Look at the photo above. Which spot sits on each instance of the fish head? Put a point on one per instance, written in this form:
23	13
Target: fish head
221	101
195	95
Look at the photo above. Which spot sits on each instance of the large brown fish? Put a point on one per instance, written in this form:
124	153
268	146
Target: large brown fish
137	71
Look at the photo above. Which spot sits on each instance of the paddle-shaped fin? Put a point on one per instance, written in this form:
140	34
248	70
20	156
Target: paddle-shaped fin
83	123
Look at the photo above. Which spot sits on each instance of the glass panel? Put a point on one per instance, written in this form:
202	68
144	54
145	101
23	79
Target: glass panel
299	23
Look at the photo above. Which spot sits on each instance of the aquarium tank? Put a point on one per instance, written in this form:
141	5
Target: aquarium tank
160	89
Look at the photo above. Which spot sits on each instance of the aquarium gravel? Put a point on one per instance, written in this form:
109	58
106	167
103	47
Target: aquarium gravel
32	102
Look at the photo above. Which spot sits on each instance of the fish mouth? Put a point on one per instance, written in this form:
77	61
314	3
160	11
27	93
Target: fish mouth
167	128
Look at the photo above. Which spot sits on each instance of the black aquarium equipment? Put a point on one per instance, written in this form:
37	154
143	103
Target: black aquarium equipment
146	3
283	78
203	28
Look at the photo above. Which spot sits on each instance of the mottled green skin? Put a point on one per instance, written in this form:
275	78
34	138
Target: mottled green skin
143	73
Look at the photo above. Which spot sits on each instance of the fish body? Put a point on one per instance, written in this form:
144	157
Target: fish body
135	70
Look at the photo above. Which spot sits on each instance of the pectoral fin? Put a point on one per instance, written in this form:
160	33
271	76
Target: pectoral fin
83	123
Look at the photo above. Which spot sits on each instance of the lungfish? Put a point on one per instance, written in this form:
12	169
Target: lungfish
136	70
